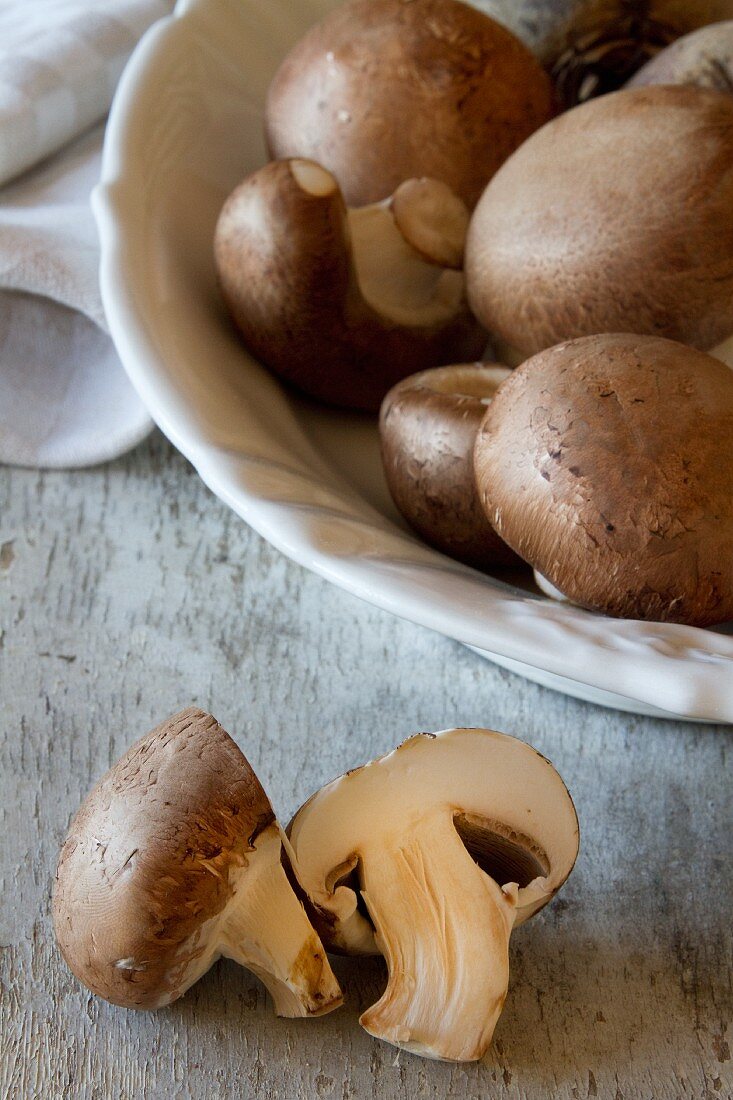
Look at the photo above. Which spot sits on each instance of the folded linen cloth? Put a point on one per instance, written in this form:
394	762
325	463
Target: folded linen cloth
64	397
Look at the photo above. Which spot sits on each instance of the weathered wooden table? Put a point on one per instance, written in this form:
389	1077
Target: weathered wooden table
128	592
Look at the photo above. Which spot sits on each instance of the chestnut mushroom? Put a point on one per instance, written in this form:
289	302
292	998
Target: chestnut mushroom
593	46
607	464
615	217
427	426
430	856
343	303
173	860
704	58
382	90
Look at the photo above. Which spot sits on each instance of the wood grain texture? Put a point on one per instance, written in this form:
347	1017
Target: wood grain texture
128	592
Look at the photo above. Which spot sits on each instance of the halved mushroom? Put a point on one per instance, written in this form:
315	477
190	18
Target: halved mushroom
430	855
607	464
704	58
343	303
615	217
173	860
428	425
383	90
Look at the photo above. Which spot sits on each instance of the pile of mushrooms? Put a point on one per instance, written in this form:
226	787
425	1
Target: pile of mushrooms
341	261
376	265
429	856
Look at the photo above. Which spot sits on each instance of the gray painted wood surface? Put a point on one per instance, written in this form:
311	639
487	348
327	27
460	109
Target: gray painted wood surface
128	592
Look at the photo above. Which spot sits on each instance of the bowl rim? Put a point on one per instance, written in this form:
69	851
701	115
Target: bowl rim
679	670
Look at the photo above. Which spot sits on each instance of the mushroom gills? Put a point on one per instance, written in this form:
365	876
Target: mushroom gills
266	930
503	854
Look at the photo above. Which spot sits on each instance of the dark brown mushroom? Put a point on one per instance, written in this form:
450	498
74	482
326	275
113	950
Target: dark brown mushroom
382	90
607	464
428	425
340	302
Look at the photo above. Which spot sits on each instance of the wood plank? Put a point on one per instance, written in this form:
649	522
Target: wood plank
128	592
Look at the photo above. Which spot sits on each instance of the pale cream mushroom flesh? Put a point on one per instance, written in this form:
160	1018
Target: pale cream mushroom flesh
447	843
173	860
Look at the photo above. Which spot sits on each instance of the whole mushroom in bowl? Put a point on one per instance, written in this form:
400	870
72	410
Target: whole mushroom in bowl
427	426
615	217
382	90
341	302
607	464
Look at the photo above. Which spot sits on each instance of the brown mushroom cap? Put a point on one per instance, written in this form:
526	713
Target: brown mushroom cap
704	58
154	857
382	90
607	464
428	425
615	217
339	302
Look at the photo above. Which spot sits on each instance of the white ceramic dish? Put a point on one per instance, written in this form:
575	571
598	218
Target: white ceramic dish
184	129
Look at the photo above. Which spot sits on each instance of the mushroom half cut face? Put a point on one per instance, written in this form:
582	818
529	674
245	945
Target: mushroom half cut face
175	859
430	856
344	303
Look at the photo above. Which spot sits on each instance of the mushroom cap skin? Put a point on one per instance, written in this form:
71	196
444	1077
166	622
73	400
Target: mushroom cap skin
607	464
448	842
338	302
382	90
615	217
428	425
592	46
704	58
175	859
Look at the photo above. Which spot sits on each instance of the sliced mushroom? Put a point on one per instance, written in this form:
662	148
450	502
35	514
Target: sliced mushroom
447	842
615	217
428	425
175	859
382	90
340	302
607	464
704	58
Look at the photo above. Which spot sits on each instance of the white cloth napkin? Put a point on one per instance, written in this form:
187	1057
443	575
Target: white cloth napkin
64	397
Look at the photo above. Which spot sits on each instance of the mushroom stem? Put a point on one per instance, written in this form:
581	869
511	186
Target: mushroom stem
443	927
265	928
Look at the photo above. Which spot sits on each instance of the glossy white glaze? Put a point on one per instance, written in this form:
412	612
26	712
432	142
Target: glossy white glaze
186	126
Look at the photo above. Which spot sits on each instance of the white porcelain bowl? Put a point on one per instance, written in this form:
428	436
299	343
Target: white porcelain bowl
186	126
